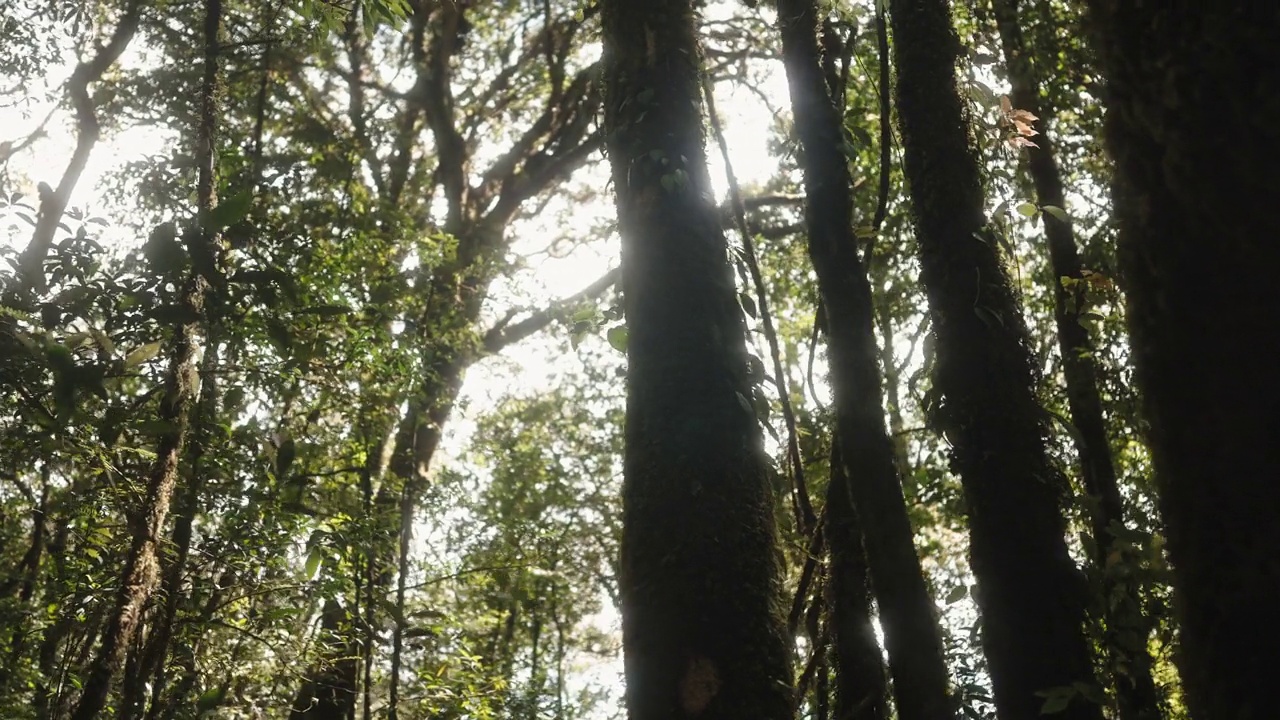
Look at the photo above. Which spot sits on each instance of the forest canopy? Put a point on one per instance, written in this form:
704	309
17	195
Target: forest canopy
659	359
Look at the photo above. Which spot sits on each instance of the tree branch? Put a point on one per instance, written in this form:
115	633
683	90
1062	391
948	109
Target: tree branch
54	202
504	333
435	37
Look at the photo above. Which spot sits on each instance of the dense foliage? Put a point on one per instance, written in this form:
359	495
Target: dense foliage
318	383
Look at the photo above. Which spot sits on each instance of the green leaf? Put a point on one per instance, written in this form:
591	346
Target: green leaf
141	354
211	699
990	318
585	314
314	558
1057	212
617	337
1027	209
957	594
1055	704
326	311
1091	692
231	210
156	427
861	135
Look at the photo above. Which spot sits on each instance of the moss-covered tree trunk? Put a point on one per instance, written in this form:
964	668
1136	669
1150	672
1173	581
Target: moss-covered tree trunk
1030	592
141	565
1126	627
862	692
907	612
703	629
1193	91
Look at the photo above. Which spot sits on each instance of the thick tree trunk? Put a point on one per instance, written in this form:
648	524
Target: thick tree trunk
1029	591
138	579
1126	627
703	630
1193	90
907	612
861	689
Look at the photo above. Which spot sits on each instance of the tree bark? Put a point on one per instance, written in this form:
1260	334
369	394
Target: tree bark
703	630
862	692
1029	591
1126	627
1192	90
139	577
907	612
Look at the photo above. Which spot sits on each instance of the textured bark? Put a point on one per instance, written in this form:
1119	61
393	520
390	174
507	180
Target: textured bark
329	693
1126	627
702	623
862	692
1193	91
138	580
1029	591
907	612
152	664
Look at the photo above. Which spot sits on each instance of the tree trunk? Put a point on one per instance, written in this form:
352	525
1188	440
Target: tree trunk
1126	627
861	690
138	580
329	692
703	631
907	613
1029	591
1193	93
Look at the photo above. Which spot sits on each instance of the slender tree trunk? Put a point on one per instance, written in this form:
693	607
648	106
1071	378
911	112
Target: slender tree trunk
703	631
862	692
907	612
152	667
1193	91
1030	592
140	570
1126	627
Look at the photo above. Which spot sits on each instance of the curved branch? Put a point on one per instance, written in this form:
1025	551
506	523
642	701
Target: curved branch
504	334
53	202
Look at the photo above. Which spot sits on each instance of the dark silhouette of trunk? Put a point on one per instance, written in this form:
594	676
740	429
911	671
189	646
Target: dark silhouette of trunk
25	576
1126	627
1030	593
1192	91
329	692
861	689
703	631
138	579
907	613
